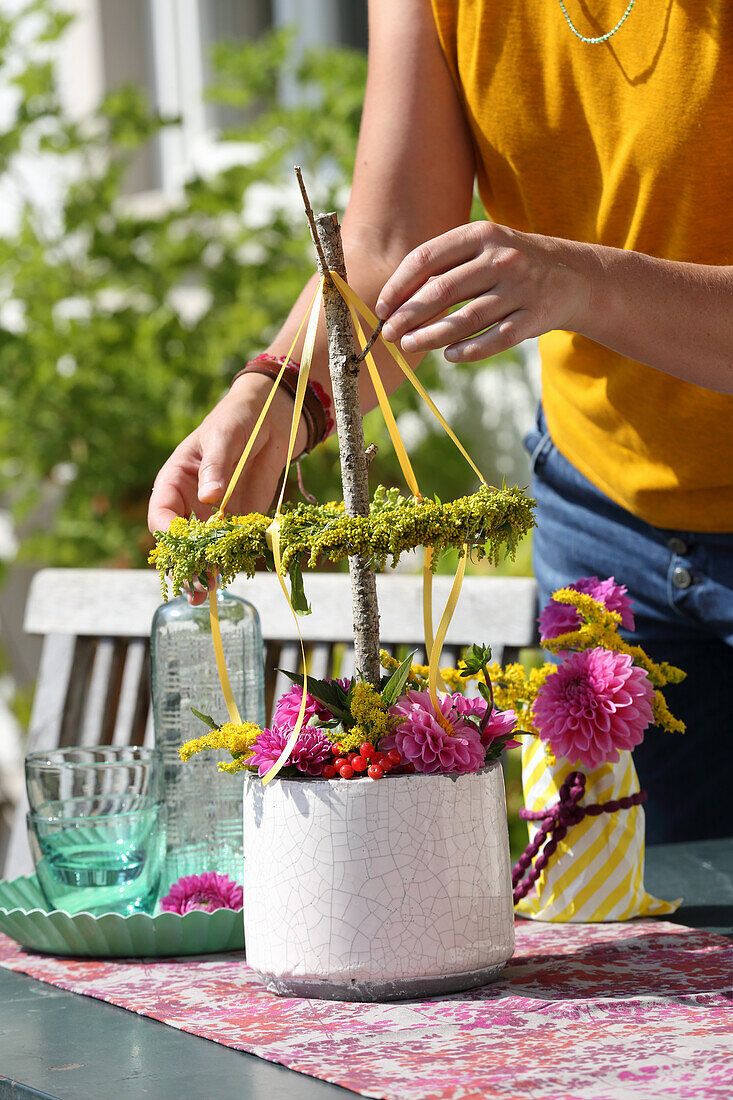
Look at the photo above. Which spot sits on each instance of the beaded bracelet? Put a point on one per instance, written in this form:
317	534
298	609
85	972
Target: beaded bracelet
316	403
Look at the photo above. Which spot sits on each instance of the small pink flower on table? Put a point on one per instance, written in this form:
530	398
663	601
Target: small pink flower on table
422	737
208	892
596	704
560	618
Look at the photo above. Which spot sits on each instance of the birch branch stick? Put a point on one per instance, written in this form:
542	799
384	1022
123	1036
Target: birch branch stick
322	265
344	370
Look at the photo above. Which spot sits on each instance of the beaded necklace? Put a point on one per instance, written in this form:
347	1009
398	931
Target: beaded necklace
601	38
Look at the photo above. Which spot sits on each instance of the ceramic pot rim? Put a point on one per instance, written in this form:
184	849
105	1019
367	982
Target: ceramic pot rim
364	780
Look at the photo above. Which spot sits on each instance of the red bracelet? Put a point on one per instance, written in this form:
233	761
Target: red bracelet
316	403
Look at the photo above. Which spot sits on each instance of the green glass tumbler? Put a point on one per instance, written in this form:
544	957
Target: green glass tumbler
99	855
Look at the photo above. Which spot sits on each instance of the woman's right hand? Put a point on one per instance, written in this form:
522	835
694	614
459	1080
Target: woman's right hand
196	476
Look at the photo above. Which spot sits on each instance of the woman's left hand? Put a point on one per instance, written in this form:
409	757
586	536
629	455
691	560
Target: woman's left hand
513	285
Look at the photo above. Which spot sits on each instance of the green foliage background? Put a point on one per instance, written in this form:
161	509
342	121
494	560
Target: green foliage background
103	377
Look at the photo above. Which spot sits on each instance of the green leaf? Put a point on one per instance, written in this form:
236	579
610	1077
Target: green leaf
328	692
393	688
497	747
297	591
475	658
493	752
206	719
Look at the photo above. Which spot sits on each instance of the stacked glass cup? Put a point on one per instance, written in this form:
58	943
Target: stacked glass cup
96	827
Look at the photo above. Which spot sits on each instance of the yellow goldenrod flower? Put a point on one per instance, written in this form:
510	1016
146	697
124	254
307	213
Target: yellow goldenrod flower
236	739
349	740
370	712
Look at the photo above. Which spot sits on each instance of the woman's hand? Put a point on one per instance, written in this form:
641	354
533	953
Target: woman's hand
196	476
514	286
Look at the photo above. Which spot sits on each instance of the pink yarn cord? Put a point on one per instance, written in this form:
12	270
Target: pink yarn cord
556	820
301	486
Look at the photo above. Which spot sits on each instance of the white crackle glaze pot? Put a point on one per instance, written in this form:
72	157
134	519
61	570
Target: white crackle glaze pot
368	891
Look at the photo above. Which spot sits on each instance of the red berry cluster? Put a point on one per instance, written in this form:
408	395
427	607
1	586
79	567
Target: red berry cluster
368	759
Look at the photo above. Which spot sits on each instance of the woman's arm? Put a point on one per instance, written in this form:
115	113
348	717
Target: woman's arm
677	317
413	180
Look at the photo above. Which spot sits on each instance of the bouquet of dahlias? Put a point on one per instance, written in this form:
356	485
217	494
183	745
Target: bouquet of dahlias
351	729
583	717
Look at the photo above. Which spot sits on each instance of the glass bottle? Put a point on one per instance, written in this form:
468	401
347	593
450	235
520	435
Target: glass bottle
204	805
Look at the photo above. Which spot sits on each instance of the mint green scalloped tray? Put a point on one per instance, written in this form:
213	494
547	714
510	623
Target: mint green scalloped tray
25	918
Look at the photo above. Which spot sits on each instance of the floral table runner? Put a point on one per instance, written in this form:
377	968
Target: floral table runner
604	1012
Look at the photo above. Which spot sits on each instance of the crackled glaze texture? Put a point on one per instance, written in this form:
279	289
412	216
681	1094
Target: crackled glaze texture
379	889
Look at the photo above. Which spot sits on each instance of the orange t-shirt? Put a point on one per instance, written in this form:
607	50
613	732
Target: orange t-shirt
629	144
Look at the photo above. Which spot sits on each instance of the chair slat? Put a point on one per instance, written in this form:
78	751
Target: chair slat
134	669
115	676
92	716
272	661
149	735
44	732
78	692
290	659
142	715
320	660
347	666
52	687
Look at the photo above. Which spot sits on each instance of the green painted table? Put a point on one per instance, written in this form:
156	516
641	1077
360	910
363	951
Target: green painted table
68	1047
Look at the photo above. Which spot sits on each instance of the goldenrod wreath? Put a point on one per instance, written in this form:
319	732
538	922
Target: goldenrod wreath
488	521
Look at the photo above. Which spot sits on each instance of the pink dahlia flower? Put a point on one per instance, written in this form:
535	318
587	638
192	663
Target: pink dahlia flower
288	707
501	723
559	618
311	751
597	703
422	741
208	892
475	706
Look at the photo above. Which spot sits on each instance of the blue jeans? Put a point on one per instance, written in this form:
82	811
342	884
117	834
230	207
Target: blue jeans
681	585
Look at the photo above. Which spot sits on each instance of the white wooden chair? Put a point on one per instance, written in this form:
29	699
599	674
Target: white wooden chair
94	680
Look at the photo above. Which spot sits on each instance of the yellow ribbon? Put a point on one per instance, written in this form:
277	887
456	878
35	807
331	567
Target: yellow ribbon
437	647
274	540
311	317
409	475
434	646
394	434
265	408
427	621
274	529
353	299
221	665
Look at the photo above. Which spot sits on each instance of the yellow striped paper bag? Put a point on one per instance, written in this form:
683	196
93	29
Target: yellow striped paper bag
597	871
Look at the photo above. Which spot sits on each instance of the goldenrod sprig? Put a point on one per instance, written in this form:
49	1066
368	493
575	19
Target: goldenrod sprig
236	739
600	628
